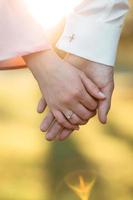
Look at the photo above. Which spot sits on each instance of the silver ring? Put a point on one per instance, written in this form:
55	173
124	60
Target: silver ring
68	114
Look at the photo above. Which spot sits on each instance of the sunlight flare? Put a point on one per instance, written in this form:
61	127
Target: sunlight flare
82	188
49	12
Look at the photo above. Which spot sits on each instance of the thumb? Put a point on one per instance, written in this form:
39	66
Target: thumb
91	88
103	110
104	105
41	105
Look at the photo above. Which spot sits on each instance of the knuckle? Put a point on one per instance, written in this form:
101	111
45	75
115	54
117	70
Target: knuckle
60	120
76	122
86	117
78	93
66	100
93	106
63	124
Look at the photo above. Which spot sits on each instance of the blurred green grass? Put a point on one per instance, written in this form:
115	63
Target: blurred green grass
34	169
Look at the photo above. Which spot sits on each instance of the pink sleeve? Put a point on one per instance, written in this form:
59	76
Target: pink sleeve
20	34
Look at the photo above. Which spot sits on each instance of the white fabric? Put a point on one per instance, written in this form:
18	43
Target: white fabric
93	29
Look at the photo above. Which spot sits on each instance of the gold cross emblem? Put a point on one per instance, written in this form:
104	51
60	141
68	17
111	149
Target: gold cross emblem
71	38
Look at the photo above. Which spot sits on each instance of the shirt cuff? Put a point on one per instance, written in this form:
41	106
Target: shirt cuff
93	40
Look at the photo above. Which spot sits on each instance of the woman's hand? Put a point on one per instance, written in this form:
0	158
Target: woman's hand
67	90
52	128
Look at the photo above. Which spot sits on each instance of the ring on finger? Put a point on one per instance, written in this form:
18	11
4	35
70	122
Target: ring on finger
68	114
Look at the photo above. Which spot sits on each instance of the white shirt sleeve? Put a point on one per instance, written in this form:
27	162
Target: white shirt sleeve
93	29
20	34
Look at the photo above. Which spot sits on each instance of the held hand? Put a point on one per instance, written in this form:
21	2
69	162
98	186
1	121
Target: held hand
99	74
52	127
66	89
102	76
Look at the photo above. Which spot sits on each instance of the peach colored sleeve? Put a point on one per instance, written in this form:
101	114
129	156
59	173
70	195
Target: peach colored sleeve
20	34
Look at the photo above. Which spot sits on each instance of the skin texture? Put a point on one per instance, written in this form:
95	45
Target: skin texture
65	88
102	76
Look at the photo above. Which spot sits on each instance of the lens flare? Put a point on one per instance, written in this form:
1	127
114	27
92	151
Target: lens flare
49	12
81	183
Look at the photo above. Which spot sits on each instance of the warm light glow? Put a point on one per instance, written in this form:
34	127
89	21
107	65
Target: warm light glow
49	12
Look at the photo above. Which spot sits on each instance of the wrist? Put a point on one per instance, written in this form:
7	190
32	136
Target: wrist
76	60
39	62
34	60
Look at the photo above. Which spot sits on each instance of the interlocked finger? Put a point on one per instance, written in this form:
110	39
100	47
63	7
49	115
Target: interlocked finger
76	120
54	130
65	134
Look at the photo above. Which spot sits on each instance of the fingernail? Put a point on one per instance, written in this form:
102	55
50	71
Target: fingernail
43	128
49	137
101	94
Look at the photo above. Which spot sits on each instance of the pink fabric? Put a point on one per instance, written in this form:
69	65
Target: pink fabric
20	34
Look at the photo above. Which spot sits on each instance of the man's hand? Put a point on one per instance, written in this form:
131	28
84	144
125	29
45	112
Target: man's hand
102	76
